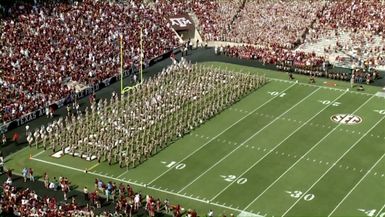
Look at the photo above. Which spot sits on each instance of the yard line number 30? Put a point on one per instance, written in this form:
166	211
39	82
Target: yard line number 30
298	194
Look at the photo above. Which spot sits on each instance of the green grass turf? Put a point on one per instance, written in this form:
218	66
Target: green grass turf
276	152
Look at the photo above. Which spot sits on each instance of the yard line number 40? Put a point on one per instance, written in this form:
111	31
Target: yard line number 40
328	102
372	212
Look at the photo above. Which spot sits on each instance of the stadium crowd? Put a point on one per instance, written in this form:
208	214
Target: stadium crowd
79	42
26	201
358	29
43	47
274	23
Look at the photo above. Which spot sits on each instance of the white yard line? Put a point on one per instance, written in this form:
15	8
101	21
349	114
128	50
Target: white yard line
97	164
124	173
355	186
314	146
38	154
335	163
248	139
250	113
139	185
379	212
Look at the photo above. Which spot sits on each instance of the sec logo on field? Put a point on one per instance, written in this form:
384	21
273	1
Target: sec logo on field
348	119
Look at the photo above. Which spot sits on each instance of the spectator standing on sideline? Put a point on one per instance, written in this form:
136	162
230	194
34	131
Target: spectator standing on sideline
1	163
85	192
211	213
352	81
30	174
46	180
4	139
24	173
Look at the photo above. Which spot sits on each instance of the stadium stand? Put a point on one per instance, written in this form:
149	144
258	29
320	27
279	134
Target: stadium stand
76	43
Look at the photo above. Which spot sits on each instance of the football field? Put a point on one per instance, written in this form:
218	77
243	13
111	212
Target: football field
287	149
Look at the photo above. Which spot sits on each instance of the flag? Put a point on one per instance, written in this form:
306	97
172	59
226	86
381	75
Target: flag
15	137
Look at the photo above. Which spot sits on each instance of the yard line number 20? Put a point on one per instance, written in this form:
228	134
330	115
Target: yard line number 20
232	178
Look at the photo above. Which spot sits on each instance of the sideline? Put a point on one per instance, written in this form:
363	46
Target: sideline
140	185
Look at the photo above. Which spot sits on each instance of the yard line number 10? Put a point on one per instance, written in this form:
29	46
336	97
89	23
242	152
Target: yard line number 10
276	93
174	164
